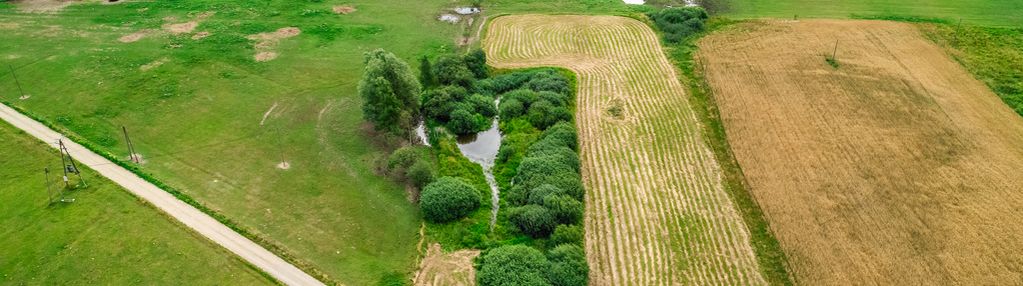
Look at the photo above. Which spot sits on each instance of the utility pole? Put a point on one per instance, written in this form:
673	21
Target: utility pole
72	167
835	52
131	147
16	81
49	190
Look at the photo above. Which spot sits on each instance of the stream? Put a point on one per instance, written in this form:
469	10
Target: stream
480	148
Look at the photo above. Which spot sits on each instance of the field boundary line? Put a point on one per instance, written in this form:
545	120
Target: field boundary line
186	213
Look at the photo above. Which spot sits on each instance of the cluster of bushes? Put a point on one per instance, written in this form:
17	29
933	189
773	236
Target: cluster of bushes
542	97
452	98
547	189
679	23
413	165
519	265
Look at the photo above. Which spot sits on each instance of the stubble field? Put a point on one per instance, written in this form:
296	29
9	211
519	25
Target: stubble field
897	167
656	212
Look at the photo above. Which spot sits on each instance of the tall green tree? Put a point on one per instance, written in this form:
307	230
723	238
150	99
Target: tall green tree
390	93
426	72
476	61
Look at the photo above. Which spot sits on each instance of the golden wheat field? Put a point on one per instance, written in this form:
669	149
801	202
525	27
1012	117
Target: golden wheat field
895	168
656	212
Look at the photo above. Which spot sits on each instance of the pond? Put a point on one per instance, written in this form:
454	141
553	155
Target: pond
481	148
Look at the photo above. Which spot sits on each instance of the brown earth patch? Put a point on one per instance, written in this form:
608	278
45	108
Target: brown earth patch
43	6
200	35
186	27
133	37
895	168
447	269
343	9
266	42
153	64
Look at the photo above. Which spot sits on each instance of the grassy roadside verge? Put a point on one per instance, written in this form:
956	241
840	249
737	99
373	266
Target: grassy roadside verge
772	260
991	54
266	243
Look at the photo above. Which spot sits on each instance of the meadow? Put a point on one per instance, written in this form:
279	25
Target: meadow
986	13
210	120
656	211
104	237
895	166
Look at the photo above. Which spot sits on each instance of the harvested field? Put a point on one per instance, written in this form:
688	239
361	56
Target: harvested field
656	212
896	168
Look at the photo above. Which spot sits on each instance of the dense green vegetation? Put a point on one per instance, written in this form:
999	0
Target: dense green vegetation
987	12
390	93
448	199
519	265
993	55
105	237
197	118
679	23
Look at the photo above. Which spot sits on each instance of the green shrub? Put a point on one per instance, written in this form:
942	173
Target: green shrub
555	152
476	61
448	199
564	133
557	99
536	171
463	121
564	208
451	70
543	114
537	195
533	220
420	174
568	266
511	108
567	234
549	80
679	23
483	105
438	104
525	96
513	265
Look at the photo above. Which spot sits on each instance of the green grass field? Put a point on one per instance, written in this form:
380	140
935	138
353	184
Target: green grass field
197	119
105	237
980	12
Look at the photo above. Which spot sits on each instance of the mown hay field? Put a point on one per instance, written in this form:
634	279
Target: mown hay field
656	211
895	168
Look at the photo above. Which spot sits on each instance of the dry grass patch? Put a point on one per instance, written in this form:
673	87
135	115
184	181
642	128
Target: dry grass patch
447	269
896	168
343	10
656	211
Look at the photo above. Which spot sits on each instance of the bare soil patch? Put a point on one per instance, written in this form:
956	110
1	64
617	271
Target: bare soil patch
153	64
656	210
43	6
447	269
200	35
266	42
343	9
896	168
134	37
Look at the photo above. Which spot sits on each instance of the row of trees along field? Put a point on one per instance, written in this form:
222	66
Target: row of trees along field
537	168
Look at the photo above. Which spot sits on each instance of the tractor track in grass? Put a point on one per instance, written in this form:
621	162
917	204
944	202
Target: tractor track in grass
656	210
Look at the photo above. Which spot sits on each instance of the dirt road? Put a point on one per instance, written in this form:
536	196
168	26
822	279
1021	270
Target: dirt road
184	213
